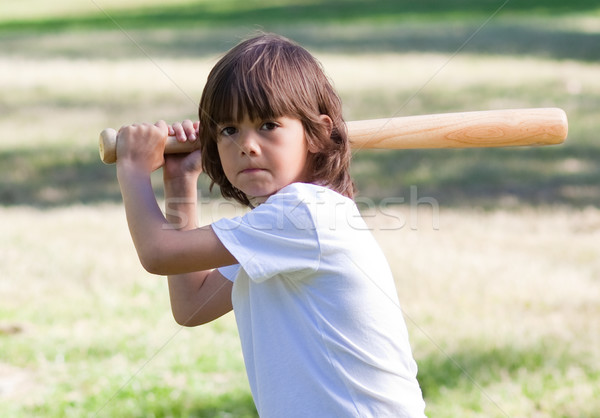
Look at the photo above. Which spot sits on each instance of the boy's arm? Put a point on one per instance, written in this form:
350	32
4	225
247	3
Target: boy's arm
161	249
202	296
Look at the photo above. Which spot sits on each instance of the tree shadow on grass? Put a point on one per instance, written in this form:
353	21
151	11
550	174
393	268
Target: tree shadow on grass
477	367
349	26
251	12
53	176
227	405
484	177
235	404
389	37
452	37
470	371
158	401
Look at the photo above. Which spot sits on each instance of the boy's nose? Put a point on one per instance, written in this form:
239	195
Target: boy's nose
249	144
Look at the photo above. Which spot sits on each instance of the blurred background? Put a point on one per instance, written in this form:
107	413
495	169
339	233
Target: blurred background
499	278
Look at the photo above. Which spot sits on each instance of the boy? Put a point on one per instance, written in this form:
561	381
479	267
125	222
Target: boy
315	302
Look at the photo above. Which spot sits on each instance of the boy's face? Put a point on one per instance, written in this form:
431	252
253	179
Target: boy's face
260	157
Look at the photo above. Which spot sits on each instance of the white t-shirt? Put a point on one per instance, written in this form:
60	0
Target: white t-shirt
320	324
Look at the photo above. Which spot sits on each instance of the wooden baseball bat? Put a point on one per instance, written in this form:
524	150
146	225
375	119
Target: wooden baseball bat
492	128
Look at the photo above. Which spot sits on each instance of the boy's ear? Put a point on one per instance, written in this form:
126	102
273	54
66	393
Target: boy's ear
326	120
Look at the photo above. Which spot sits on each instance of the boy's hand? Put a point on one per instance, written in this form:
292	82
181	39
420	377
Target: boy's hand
183	165
142	145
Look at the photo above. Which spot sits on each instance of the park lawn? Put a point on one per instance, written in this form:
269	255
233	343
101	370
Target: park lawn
92	333
73	14
502	308
69	112
494	251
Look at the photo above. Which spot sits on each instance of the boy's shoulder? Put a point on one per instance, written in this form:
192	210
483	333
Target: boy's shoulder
309	193
324	207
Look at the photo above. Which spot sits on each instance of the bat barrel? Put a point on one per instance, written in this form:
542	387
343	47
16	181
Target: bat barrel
493	128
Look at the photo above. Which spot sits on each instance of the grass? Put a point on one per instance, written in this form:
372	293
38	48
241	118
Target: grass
132	14
94	335
111	93
502	316
499	286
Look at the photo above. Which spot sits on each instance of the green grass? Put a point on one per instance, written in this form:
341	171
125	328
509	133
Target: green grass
59	165
103	14
501	299
94	335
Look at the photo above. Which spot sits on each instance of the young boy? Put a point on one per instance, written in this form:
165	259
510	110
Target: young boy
319	320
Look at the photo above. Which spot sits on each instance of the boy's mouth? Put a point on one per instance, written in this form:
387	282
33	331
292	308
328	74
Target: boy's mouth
251	170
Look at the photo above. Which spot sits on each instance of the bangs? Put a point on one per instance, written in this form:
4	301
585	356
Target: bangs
239	98
265	82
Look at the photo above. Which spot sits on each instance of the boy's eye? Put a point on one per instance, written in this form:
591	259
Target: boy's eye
269	126
228	131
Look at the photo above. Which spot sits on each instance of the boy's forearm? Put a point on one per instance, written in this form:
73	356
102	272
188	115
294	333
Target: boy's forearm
193	300
144	216
180	210
181	196
162	249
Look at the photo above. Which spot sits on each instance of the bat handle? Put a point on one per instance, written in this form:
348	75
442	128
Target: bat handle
108	146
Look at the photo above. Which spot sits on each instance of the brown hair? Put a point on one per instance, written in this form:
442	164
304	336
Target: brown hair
266	77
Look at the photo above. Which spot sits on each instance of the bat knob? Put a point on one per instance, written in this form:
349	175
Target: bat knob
108	146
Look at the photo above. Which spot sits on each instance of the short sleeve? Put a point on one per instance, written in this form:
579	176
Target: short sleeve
276	238
230	272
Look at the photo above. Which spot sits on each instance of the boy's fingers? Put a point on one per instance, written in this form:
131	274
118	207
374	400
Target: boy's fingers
190	129
184	131
179	132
